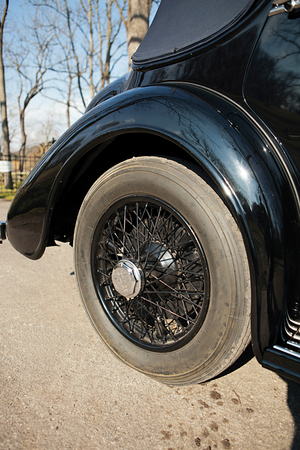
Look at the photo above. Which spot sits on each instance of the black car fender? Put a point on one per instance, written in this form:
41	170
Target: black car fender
237	157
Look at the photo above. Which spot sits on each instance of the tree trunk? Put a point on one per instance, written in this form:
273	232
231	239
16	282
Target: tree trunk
72	43
5	131
69	101
137	24
91	53
24	139
106	72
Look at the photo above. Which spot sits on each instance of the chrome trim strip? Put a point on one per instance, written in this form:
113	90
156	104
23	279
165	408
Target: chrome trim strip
287	351
290	334
277	10
291	329
284	6
294	323
294	344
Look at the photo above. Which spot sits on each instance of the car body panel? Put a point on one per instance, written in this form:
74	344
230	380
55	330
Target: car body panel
187	29
272	87
206	103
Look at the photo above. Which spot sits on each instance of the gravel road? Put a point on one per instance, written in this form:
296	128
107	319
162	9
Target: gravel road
62	389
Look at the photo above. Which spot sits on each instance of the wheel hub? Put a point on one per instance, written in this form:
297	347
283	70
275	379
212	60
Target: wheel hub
127	278
151	273
157	255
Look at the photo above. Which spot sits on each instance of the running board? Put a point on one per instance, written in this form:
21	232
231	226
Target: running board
284	361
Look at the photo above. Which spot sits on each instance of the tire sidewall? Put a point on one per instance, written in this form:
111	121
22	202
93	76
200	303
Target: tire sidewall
203	211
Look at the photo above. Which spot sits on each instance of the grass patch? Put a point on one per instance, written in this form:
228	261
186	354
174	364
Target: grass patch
8	194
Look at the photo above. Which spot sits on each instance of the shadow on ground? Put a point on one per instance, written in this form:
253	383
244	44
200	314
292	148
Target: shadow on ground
293	398
245	357
293	395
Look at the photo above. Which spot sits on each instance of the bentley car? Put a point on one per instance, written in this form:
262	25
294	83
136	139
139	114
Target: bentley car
179	188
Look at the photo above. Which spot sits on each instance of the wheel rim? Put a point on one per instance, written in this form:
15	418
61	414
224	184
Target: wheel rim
150	273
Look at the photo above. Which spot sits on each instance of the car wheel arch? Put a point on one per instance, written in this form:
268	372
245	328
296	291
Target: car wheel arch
247	177
221	184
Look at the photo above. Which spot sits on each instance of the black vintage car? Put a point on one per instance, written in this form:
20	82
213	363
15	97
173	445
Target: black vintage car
179	188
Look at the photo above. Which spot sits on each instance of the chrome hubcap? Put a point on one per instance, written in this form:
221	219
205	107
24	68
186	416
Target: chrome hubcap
127	278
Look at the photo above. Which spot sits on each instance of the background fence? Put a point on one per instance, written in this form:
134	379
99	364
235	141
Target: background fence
19	166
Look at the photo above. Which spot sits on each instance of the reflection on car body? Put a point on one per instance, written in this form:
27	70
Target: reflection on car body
179	188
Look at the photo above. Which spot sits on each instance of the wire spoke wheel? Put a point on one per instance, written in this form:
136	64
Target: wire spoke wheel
162	270
151	273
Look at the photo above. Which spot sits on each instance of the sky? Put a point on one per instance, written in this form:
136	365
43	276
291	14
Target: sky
41	112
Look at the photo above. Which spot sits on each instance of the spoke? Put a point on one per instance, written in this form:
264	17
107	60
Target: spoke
189	301
157	261
137	230
174	305
141	320
115	238
124	235
173	271
174	290
172	295
179	292
131	250
124	225
143	223
163	225
173	248
165	309
186	313
107	257
111	240
151	240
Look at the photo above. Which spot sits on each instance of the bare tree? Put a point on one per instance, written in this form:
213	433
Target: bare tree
31	60
136	22
108	48
71	32
88	39
5	130
63	30
88	11
66	27
101	33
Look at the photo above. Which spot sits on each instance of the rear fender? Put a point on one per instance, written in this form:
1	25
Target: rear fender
239	159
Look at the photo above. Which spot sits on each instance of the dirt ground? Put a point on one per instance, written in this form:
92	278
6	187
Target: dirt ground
60	388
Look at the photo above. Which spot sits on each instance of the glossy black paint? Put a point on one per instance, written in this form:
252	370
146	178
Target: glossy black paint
207	107
273	91
273	88
220	65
